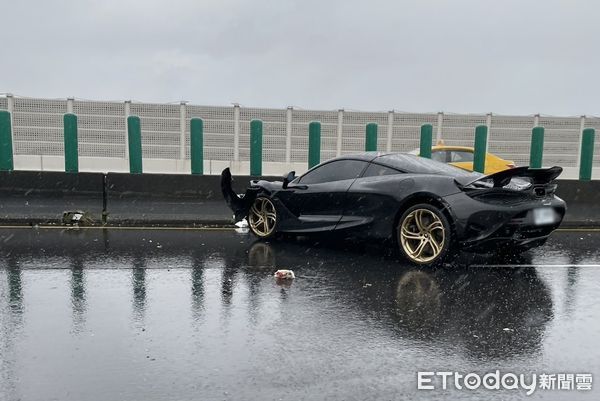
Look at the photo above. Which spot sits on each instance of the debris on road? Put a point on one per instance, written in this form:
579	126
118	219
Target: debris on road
242	223
284	274
76	218
241	227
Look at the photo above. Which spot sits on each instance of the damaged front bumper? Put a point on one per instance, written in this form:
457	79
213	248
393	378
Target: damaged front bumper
239	204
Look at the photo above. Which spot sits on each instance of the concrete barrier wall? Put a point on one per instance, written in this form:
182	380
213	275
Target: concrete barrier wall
51	183
28	197
207	187
583	202
168	199
162	186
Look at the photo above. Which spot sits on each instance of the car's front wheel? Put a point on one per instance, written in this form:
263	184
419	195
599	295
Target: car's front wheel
424	234
262	217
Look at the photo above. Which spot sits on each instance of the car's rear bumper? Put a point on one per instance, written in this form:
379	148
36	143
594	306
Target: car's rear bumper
499	242
482	226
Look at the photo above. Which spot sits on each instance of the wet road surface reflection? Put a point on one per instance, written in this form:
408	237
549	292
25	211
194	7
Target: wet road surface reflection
164	314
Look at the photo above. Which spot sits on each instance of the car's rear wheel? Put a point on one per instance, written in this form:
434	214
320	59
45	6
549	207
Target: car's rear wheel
262	217
424	234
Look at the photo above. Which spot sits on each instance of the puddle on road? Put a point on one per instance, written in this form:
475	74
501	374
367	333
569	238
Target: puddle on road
95	314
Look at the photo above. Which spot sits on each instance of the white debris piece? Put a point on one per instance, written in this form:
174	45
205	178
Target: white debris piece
75	218
241	227
242	223
284	274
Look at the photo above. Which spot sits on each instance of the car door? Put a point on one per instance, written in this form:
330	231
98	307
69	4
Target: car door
368	202
317	198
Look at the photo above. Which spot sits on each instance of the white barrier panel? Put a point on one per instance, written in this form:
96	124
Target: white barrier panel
38	134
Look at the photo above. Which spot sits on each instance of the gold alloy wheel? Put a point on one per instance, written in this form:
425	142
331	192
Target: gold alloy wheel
422	235
262	217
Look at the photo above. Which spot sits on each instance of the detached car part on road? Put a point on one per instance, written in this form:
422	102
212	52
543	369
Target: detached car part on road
429	209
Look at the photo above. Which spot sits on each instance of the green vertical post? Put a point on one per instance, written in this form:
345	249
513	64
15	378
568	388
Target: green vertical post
480	148
256	131
371	137
536	152
70	138
587	154
134	134
426	140
314	144
197	145
6	151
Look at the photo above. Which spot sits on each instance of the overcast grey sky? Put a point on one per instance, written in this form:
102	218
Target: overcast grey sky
504	56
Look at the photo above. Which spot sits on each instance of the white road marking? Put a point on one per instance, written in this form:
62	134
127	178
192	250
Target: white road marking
74	228
538	265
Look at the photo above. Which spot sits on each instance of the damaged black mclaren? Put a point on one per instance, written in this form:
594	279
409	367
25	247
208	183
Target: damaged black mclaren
427	208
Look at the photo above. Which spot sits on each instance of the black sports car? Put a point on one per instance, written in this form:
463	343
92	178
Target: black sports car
426	207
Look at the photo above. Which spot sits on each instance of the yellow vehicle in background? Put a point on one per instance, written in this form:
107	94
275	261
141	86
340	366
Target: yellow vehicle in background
462	156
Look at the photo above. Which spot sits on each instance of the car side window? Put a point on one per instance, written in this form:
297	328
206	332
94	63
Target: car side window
335	171
439	156
377	170
457	156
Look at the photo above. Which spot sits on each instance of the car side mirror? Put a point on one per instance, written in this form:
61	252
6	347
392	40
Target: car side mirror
288	178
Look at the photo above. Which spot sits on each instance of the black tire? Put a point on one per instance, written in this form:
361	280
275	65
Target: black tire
424	235
263	217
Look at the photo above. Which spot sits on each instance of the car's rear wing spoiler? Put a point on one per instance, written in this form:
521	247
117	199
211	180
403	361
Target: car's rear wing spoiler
538	176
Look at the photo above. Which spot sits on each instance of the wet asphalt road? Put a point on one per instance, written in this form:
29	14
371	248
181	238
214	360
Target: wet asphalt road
196	315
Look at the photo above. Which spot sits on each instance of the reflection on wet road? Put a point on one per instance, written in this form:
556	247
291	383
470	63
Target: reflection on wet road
182	315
